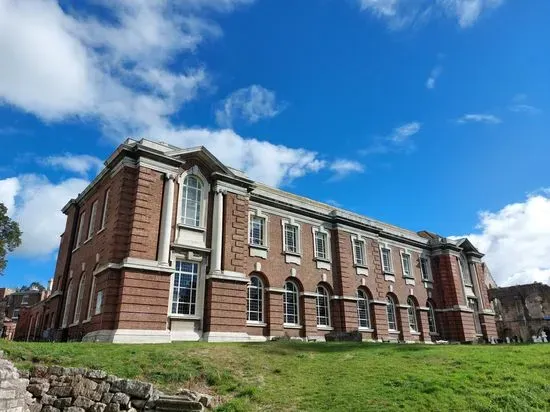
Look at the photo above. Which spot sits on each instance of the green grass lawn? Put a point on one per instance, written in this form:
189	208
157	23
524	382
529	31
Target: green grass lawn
283	376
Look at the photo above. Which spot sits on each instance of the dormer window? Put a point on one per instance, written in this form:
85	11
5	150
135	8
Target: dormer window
191	200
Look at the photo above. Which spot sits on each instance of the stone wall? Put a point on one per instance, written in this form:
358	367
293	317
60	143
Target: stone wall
59	389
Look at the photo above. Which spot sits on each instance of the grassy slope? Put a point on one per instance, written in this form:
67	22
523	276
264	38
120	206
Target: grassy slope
338	377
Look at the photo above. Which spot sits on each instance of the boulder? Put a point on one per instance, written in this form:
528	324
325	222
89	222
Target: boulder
83	402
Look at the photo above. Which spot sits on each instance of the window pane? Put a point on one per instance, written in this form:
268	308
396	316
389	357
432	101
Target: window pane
392	323
256	234
424	268
323	316
406	264
291	238
321	245
386	260
254	300
191	201
412	315
290	303
184	294
363	310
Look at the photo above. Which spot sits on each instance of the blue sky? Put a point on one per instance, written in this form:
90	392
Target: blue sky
428	114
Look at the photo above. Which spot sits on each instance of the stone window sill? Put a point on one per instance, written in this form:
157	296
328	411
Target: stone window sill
256	324
87	240
193	228
101	230
394	331
76	248
325	260
357	265
415	333
323	327
389	277
263	247
86	321
434	334
187	317
365	330
292	326
297	254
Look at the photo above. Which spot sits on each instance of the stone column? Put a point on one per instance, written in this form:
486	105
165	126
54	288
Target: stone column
423	326
309	318
166	220
403	322
380	319
217	235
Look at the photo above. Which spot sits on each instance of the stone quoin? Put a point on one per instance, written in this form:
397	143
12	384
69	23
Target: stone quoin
170	244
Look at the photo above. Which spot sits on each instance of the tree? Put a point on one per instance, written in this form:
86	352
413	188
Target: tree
10	236
33	285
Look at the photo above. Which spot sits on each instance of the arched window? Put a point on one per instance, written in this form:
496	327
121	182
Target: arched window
291	314
390	309
363	316
413	324
68	298
191	201
255	300
431	318
323	310
91	298
79	299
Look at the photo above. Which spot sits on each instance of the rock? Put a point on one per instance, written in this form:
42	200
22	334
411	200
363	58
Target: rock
121	398
24	374
49	408
95	374
39	380
189	394
37	389
103	387
62	403
206	400
56	370
83	402
136	389
113	407
35	407
60	391
47	399
106	398
138	403
74	409
39	371
111	379
84	387
97	407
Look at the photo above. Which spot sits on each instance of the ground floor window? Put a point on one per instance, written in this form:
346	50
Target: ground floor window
431	319
291	315
472	303
413	324
363	309
254	301
390	309
184	288
323	311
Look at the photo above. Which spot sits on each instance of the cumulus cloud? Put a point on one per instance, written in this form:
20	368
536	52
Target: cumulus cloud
69	63
343	167
250	104
80	164
36	205
479	118
516	240
404	13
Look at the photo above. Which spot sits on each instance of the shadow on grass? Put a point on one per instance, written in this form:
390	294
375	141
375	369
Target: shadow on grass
293	347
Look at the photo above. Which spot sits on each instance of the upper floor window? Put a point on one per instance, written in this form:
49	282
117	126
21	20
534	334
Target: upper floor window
25	300
431	318
465	272
473	304
91	224
79	299
191	201
424	268
68	298
98	302
256	236
184	288
255	300
291	238
80	229
386	260
321	245
363	315
359	252
105	205
15	314
413	323
390	309
406	263
91	298
322	304
290	300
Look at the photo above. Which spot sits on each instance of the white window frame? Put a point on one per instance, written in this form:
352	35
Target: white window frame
393	319
261	300
432	326
91	223
79	299
410	275
365	299
68	298
257	215
426	275
465	272
413	318
81	222
315	231
196	304
195	171
322	293
25	300
292	223
296	302
362	245
105	206
384	268
91	299
98	302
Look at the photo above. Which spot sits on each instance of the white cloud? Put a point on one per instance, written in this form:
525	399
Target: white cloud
81	164
398	140
404	13
251	104
434	74
65	63
516	240
37	204
479	118
343	167
519	105
402	133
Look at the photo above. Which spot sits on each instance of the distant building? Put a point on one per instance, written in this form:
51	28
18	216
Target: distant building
12	302
170	244
522	311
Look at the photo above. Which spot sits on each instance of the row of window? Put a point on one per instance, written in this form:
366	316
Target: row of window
92	220
90	310
291	312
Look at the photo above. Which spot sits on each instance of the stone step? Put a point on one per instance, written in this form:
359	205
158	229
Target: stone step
176	403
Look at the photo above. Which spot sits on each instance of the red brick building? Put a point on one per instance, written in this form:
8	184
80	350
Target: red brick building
170	244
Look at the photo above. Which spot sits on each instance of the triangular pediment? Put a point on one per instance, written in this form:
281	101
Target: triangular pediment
203	158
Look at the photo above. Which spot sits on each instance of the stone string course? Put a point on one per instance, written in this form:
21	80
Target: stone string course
59	389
